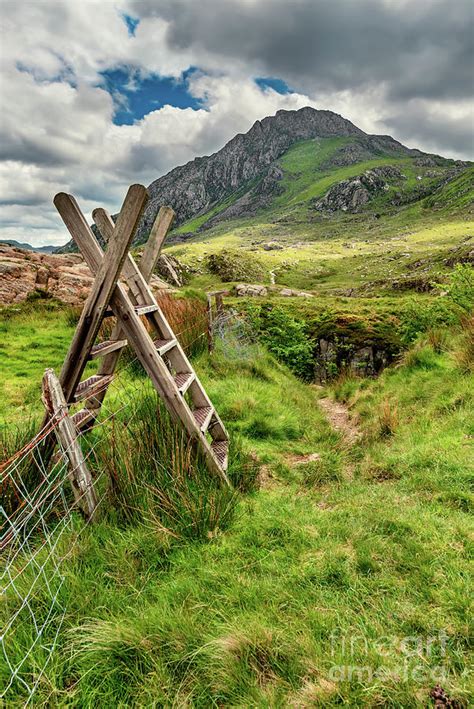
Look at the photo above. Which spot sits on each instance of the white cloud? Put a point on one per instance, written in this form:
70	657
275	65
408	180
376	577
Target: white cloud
57	128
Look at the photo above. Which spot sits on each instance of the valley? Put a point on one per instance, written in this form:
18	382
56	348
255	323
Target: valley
336	570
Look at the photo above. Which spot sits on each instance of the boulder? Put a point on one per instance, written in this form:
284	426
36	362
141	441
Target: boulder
272	246
289	293
245	289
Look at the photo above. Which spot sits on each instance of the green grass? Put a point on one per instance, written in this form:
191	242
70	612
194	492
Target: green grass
347	565
340	578
33	336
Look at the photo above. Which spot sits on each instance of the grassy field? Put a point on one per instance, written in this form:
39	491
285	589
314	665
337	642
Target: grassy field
341	577
337	570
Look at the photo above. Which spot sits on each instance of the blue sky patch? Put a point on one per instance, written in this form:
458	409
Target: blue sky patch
132	24
272	82
135	96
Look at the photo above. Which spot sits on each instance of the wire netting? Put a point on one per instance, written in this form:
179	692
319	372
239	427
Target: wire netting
41	522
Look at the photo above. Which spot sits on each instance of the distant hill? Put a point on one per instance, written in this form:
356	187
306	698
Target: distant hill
29	247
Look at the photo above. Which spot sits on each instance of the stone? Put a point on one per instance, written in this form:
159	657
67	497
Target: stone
289	292
246	289
272	246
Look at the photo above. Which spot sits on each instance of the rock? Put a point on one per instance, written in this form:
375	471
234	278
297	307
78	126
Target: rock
245	289
23	273
351	195
42	276
289	292
272	246
171	270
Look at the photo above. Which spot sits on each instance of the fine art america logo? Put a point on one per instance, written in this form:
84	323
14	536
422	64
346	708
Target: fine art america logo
421	658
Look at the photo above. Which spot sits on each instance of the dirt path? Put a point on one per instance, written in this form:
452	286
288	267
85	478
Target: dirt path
338	416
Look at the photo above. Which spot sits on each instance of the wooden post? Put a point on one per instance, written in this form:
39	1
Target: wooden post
152	249
210	336
79	475
219	303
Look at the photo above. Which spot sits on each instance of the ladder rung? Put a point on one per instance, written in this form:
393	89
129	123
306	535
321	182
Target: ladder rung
183	380
164	345
103	348
82	417
145	309
92	386
220	450
202	416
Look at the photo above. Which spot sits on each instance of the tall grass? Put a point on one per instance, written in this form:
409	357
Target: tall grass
156	472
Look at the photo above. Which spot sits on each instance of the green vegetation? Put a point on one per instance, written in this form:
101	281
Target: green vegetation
33	336
342	579
336	572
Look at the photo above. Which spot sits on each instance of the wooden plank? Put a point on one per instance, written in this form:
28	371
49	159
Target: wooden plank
104	284
66	433
151	252
107	346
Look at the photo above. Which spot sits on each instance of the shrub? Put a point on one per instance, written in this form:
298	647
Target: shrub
188	319
417	318
387	418
438	339
232	265
287	339
157	474
460	288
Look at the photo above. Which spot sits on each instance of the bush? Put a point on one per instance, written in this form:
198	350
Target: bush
417	318
460	288
287	339
232	265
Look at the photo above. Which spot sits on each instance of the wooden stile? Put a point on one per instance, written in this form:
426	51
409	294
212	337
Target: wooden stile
129	300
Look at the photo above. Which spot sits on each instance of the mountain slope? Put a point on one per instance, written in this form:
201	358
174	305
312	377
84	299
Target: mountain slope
296	165
195	188
28	247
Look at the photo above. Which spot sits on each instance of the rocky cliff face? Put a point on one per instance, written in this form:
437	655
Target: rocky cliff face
194	188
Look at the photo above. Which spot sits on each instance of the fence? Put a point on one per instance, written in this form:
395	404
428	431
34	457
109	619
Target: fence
37	519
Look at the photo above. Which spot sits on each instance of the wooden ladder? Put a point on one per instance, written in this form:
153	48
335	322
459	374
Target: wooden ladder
121	289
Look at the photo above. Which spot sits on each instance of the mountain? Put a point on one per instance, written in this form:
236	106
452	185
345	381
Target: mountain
311	157
29	247
203	183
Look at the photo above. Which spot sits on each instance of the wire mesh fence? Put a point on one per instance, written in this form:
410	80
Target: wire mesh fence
41	522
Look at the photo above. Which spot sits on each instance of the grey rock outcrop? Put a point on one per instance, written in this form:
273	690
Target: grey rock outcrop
352	194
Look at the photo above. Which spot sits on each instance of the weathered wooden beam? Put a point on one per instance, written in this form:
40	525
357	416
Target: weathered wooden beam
152	249
104	284
78	472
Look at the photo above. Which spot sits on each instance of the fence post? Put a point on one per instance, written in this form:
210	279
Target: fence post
79	475
210	335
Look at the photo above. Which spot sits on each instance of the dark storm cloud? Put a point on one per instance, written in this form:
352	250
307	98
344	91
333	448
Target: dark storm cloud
419	49
434	130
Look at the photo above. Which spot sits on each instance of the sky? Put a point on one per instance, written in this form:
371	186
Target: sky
98	94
